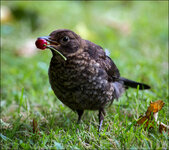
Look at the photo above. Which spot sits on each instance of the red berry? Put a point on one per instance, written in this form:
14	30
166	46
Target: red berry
41	43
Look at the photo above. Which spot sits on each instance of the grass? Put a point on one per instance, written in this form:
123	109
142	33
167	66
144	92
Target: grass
140	53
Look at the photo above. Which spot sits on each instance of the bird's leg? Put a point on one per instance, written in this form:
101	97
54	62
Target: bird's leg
80	113
101	118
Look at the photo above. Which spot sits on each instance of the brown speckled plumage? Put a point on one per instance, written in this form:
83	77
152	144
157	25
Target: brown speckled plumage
88	79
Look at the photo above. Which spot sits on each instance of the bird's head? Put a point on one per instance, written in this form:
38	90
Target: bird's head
65	41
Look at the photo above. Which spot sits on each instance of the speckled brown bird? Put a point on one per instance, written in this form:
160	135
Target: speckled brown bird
87	79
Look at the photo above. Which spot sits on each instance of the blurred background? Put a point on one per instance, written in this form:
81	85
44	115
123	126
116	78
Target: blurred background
134	32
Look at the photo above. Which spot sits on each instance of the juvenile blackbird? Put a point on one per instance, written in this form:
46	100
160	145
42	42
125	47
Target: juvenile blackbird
87	79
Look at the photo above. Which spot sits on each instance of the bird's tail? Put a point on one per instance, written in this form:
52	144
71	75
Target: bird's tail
123	83
134	84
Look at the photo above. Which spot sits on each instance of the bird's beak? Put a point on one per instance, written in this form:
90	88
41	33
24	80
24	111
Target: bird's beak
48	38
52	45
44	37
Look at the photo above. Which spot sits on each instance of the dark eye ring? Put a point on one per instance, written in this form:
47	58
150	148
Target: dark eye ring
65	39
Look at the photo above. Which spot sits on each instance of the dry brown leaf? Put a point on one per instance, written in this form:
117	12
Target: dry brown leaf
149	119
142	120
163	127
154	107
146	121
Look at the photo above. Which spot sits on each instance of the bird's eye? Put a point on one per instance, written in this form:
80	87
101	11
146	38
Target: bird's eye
65	39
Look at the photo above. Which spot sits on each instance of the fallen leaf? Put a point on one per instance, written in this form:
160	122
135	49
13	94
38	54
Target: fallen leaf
142	120
151	116
155	107
163	127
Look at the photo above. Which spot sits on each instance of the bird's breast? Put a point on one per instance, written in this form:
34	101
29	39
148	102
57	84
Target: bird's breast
80	81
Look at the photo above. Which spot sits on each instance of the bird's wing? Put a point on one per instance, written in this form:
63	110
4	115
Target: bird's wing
98	54
110	67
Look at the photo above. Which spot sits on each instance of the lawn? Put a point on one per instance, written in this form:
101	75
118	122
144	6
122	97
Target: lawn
136	35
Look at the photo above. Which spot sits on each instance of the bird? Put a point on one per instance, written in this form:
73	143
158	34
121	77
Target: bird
82	76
